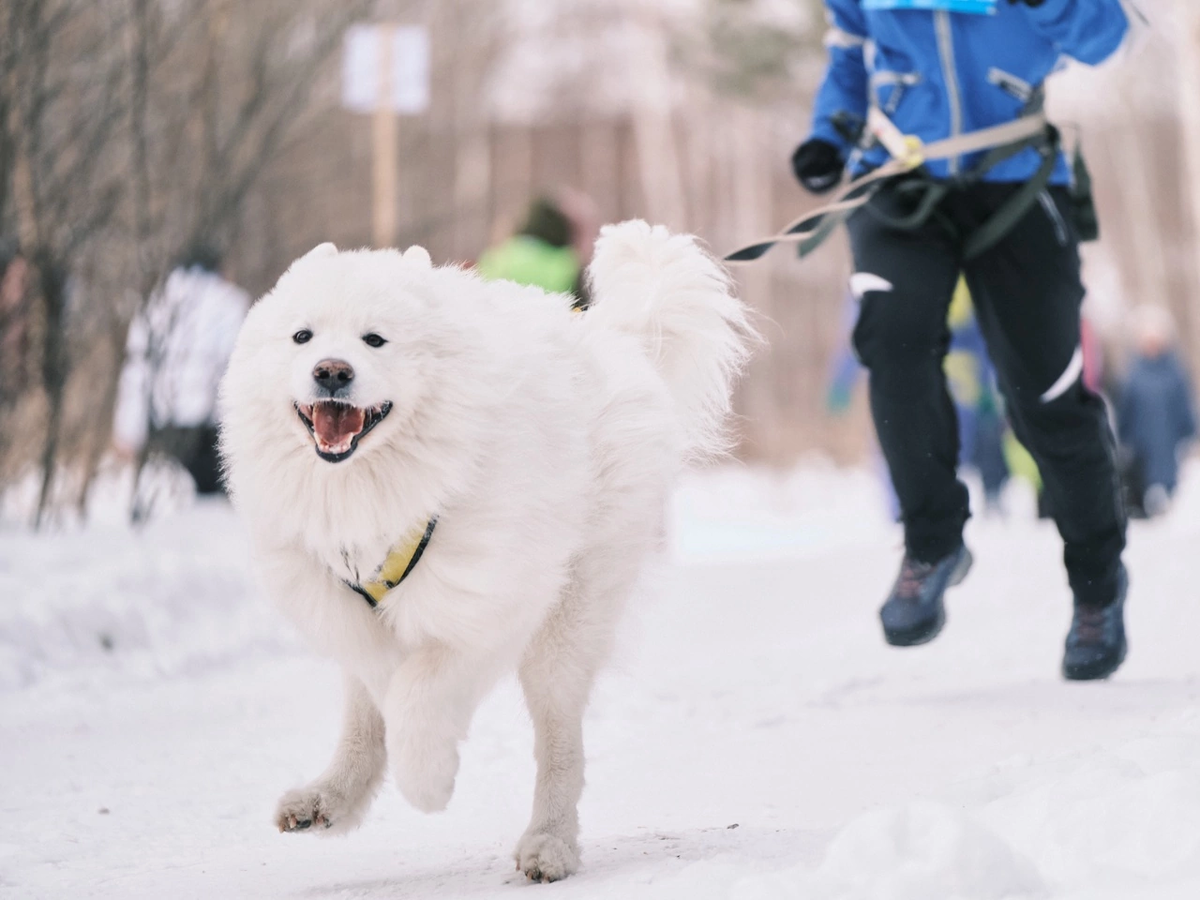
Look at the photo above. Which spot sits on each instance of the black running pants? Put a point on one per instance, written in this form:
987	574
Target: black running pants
1027	293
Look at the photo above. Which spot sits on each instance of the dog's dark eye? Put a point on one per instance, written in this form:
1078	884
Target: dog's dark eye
373	340
303	336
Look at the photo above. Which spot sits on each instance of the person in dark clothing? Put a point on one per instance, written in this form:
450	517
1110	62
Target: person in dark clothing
949	68
1155	414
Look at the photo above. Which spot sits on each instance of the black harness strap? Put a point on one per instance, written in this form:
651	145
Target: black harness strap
416	557
358	589
412	564
1004	219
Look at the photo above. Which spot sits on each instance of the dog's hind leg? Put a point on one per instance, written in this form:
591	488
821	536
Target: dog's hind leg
337	801
557	674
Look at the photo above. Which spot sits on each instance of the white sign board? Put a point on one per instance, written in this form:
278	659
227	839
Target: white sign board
407	82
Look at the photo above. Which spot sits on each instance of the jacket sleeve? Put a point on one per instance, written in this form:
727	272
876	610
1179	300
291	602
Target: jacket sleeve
844	89
1087	30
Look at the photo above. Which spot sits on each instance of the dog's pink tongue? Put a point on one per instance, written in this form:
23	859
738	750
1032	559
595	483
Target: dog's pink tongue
336	424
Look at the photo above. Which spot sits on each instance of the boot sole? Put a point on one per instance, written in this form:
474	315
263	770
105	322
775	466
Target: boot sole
917	636
914	637
1096	672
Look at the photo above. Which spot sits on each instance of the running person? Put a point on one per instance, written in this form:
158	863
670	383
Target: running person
947	68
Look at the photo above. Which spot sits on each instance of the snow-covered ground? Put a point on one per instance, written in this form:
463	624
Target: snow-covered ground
754	739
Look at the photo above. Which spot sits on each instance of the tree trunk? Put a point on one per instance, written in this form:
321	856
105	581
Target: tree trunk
52	283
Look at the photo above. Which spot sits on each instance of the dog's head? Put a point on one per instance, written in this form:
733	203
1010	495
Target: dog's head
338	354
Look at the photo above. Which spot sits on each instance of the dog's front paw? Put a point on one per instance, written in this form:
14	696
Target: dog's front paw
543	856
425	774
314	807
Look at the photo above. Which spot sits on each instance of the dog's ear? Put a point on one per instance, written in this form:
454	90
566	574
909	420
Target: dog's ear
321	251
418	255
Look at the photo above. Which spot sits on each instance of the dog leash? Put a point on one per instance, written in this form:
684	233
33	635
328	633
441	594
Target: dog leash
908	153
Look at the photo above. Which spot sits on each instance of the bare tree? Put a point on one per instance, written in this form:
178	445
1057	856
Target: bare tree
62	120
129	131
215	96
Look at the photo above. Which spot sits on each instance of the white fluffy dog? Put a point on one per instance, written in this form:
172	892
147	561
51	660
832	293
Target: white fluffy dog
446	479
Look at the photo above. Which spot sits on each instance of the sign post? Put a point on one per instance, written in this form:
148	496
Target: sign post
385	73
385	150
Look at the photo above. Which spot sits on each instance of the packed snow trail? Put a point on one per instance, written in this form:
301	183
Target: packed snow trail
754	739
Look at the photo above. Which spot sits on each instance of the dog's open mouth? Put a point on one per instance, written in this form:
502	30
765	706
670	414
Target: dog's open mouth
337	427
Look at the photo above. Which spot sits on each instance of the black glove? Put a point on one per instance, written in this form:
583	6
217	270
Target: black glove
818	165
1027	2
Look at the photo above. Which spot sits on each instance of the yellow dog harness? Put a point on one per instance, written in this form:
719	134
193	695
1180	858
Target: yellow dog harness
399	564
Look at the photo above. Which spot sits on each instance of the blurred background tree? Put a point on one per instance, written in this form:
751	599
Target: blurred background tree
131	131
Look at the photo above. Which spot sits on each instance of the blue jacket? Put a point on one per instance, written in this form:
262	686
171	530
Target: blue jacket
1155	415
937	73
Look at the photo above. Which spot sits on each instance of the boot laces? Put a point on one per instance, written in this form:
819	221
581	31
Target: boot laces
1090	624
912	578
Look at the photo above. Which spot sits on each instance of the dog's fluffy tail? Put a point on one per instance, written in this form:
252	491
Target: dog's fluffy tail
677	299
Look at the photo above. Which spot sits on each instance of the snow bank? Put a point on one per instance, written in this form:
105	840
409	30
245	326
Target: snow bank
1104	823
167	599
918	851
1125	819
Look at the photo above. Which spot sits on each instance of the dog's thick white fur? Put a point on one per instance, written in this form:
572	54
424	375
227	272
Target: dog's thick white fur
545	442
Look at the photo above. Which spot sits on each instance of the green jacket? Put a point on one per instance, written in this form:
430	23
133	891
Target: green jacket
527	260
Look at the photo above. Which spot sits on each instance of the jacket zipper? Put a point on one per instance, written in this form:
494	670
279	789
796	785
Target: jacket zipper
1011	84
900	82
945	39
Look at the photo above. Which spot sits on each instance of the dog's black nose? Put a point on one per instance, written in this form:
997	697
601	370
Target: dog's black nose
333	375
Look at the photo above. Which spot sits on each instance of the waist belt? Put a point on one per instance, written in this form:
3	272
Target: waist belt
908	154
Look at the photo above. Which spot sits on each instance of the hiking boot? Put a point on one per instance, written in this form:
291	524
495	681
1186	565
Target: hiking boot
1096	643
914	613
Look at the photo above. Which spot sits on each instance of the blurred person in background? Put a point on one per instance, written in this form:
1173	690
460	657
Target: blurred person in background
1008	220
1155	414
551	249
176	353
